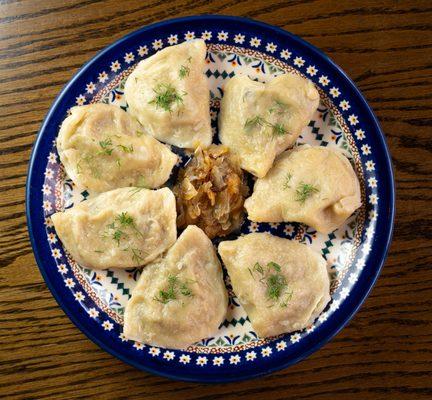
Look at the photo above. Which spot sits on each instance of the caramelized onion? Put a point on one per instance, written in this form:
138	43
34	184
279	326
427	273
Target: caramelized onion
210	192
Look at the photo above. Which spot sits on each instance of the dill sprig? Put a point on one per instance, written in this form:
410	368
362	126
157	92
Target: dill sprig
273	279
259	121
126	220
166	97
304	191
126	149
255	121
106	146
278	129
286	184
184	71
174	287
278	107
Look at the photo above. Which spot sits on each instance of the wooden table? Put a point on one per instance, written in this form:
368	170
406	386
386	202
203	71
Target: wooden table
384	353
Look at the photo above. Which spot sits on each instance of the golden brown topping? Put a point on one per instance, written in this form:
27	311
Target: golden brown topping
210	192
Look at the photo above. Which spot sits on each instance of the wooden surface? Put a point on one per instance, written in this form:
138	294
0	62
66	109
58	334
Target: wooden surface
384	353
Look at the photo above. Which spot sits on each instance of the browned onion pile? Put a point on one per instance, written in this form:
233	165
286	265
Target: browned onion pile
210	192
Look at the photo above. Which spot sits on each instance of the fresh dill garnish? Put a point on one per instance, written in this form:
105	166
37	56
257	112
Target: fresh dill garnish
184	71
173	288
139	133
278	107
254	122
273	279
106	146
126	149
125	220
118	228
276	283
89	160
304	191
287	181
258	120
136	255
141	184
99	251
278	129
287	298
166	97
117	235
118	162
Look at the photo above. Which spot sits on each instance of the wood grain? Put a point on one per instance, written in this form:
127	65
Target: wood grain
384	353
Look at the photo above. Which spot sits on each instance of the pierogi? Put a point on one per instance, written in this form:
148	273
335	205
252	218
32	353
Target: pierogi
283	285
102	148
258	121
169	94
180	298
122	228
313	185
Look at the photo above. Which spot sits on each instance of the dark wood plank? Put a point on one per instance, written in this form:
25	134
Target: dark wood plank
385	352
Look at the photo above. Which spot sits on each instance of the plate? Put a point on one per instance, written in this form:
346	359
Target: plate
95	299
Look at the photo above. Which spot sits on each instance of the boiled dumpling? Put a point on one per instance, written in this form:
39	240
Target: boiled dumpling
180	298
169	94
122	228
313	185
258	121
103	148
283	285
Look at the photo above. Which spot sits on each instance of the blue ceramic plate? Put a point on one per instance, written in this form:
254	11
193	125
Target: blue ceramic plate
95	299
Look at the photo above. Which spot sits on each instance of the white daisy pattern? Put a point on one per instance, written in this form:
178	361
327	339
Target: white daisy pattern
334	305
250	356
56	253
344	105
281	345
52	158
361	262
90	87
372	182
311	70
370	165
324	80
122	337
369	233
93	312
115	66
168	355
107	325
201	361
255	42
185	359
47	206
189	35
344	292
80	100
373	215
129	57
62	269
222	36
310	329
360	134
234	359
69	283
239	38
366	149
46	190
102	77
154	351
172	39
79	296
49	173
253	227
218	361
157	44
142	51
295	338
285	54
271	47
353	119
266	351
334	91
323	317
138	345
299	62
353	277
52	238
373	199
206	35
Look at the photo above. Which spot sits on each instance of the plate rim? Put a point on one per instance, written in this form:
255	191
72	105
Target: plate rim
361	293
